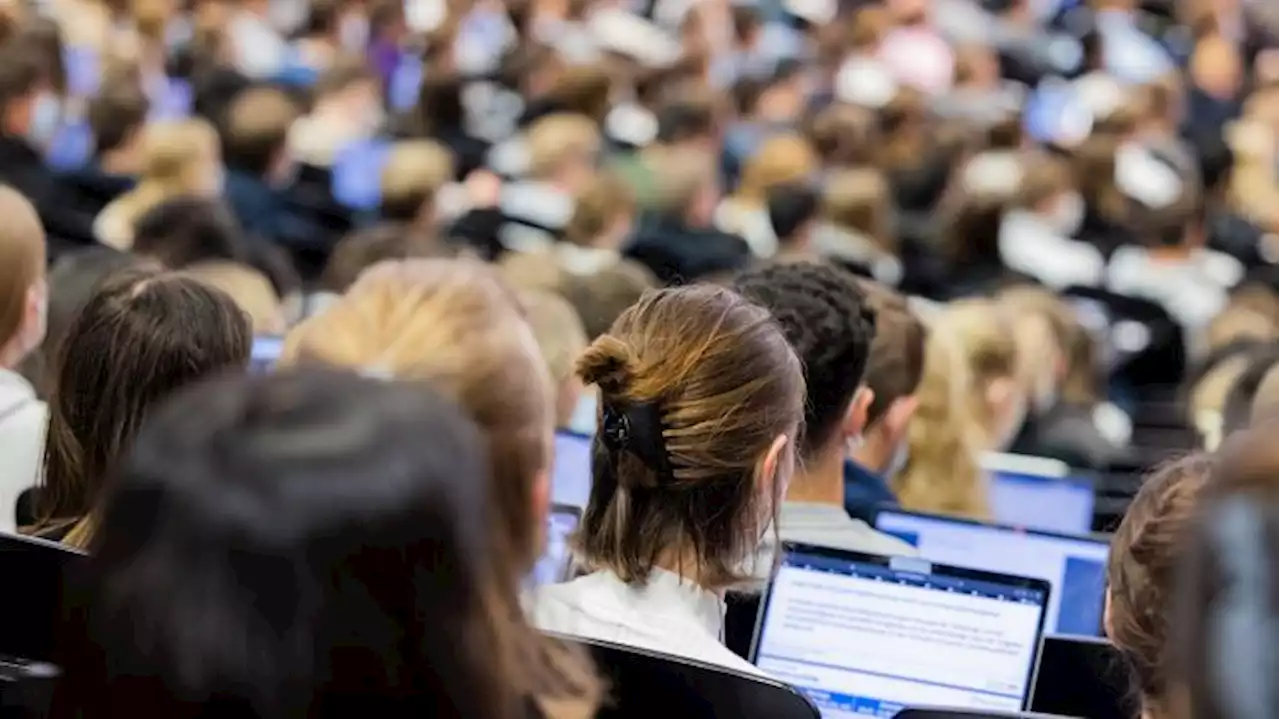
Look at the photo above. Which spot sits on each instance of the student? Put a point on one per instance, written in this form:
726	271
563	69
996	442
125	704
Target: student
779	160
1141	571
560	336
602	222
793	215
856	225
347	109
455	324
23	301
562	153
250	289
895	367
116	117
255	132
178	158
363	249
970	402
412	180
143	334
827	319
1037	234
701	399
347	545
601	297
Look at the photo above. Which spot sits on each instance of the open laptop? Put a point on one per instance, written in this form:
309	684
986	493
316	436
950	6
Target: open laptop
571	469
265	353
556	560
1076	567
1082	677
865	635
1039	493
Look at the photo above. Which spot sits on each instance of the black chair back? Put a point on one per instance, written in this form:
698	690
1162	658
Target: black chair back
31	604
741	612
1082	676
643	685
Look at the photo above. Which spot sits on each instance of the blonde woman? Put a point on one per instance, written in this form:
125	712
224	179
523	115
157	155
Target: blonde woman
178	158
970	401
780	160
455	324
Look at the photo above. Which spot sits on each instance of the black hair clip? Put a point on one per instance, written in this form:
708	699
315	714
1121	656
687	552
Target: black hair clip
615	429
637	430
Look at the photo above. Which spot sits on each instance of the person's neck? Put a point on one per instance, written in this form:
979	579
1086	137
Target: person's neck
119	162
822	481
10	356
684	564
872	455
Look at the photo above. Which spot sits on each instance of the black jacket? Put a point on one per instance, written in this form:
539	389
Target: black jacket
89	190
22	168
303	219
677	253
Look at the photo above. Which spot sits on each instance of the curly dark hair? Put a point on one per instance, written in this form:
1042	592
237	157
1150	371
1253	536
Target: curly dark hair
827	319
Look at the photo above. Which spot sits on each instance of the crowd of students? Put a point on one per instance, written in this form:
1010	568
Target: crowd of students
789	264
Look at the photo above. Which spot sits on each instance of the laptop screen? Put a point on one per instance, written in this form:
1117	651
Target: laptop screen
571	470
553	566
864	635
265	352
1037	502
1075	567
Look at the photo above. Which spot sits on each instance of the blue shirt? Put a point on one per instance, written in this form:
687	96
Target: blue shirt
865	492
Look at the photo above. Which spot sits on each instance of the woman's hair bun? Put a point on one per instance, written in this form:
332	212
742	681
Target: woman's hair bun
609	364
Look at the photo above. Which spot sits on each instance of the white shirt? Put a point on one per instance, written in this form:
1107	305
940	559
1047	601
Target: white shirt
750	223
825	525
668	614
1030	246
22	429
1193	291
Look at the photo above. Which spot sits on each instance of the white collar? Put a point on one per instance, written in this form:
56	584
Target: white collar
667	594
579	260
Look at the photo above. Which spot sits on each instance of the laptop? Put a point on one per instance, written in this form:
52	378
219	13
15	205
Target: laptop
1076	567
571	469
1082	677
865	635
265	352
31	606
557	560
1039	493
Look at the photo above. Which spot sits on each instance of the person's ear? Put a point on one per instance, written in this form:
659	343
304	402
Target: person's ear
898	416
541	503
855	420
1106	616
774	467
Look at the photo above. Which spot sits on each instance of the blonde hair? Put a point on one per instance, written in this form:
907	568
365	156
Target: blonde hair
173	154
554	140
780	160
456	324
859	200
561	337
22	260
250	289
597	208
967	348
414	173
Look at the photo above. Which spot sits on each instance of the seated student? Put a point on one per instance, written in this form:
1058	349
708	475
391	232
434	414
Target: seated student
412	180
347	110
674	238
250	289
701	400
363	249
178	158
455	324
116	117
602	222
1212	385
985	187
1171	267
793	215
895	366
1037	233
23	299
855	227
780	160
30	112
827	319
1141	574
601	297
560	336
970	402
1062	421
143	334
562	153
346	545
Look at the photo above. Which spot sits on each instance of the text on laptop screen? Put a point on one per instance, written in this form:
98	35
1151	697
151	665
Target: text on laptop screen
571	470
1075	567
553	565
1037	502
866	639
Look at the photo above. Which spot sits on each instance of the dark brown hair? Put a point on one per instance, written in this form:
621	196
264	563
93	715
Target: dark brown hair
256	128
117	113
718	376
143	334
365	248
1141	570
895	364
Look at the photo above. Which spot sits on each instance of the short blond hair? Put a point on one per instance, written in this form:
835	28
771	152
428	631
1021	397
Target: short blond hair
780	160
257	127
250	289
860	200
597	207
555	139
414	173
22	259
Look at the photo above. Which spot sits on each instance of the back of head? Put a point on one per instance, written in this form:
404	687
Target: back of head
414	173
185	230
142	335
556	140
560	336
365	248
779	160
826	318
1141	572
455	323
1223	625
844	136
602	213
792	208
601	297
858	200
22	288
246	568
256	129
895	363
697	386
250	289
173	151
117	114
